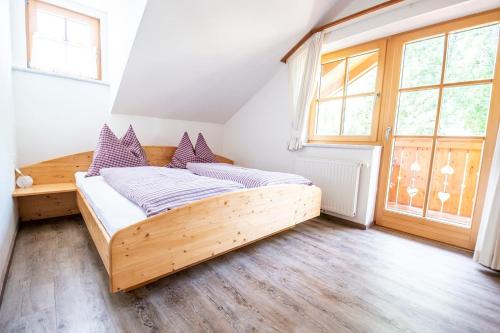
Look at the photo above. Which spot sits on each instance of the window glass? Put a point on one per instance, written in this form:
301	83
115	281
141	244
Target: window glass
328	117
49	26
464	110
417	112
362	73
79	33
48	54
471	54
422	62
358	115
332	79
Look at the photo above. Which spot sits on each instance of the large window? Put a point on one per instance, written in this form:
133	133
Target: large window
346	108
62	41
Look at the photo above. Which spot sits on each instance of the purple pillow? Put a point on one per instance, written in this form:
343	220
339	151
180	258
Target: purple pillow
203	153
113	153
183	154
130	141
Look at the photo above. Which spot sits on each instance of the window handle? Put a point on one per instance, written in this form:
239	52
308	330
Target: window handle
388	133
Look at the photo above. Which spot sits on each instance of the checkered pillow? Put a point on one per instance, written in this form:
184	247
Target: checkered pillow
112	153
183	154
202	151
130	141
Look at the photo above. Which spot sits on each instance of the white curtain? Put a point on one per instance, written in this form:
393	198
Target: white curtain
303	75
487	250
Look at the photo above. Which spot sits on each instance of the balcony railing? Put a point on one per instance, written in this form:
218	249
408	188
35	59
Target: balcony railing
453	180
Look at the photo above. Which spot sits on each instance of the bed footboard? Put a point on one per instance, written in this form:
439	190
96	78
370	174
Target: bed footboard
190	234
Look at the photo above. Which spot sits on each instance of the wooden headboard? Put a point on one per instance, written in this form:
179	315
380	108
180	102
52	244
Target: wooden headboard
62	169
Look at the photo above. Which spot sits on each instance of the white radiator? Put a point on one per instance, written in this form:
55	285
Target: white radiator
338	180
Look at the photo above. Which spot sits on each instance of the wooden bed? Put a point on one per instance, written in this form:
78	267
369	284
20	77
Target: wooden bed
181	237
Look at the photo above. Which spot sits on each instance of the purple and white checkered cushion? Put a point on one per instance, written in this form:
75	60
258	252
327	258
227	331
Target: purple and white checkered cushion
250	178
113	153
132	143
203	153
183	154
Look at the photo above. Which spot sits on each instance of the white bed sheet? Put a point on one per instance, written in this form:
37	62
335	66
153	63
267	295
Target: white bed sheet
113	210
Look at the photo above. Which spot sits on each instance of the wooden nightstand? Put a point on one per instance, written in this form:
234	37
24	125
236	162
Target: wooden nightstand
46	201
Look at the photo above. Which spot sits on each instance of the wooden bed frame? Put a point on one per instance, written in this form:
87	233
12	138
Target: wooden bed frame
187	235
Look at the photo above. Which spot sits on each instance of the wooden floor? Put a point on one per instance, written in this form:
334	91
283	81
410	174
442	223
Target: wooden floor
318	277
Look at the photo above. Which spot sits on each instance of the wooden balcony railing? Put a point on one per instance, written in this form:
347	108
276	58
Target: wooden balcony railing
453	184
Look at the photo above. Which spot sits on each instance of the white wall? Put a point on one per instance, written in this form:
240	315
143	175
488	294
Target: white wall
57	116
8	219
123	22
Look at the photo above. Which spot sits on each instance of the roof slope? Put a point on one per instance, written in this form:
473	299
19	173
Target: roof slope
202	60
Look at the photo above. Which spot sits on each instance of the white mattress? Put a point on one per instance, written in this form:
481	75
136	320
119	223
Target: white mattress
113	210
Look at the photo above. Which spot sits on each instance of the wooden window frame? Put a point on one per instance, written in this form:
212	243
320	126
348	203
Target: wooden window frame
374	138
95	23
427	227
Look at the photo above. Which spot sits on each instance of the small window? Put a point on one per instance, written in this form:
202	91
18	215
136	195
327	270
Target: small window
62	41
346	108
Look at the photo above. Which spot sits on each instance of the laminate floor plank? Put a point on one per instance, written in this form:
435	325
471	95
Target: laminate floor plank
318	277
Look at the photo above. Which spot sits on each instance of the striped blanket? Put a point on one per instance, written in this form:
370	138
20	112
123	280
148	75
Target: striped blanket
157	189
250	178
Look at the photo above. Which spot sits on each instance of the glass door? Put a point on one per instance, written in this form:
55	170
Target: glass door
438	138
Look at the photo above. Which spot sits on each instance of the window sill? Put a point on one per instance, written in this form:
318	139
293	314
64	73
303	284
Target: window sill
61	76
342	146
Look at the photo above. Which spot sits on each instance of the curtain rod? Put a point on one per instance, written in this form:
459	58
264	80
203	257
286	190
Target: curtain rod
337	22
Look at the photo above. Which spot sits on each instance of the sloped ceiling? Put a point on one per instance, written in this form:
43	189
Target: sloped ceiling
202	60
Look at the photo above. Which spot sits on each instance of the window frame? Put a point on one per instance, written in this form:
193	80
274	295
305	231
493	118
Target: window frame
374	137
94	22
457	236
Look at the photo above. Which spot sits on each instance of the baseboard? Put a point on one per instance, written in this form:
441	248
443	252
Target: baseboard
345	222
4	273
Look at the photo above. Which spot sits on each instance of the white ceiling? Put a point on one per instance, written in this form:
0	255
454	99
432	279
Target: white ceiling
202	60
405	16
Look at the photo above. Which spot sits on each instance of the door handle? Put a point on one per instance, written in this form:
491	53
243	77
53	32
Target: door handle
388	133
